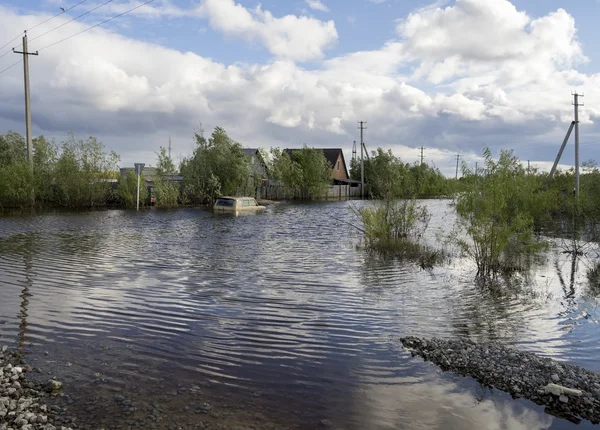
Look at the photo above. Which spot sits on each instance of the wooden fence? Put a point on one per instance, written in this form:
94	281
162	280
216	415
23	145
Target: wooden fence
334	192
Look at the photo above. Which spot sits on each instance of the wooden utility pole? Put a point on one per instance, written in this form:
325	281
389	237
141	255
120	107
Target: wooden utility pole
457	158
362	127
26	55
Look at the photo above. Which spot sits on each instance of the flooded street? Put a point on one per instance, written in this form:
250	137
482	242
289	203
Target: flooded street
167	319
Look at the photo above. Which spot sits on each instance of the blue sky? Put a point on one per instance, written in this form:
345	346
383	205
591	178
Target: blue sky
451	76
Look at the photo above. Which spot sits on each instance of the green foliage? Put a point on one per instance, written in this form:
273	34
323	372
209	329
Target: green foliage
304	172
15	179
396	228
82	173
498	211
388	176
393	220
45	156
165	190
218	166
314	169
284	170
127	190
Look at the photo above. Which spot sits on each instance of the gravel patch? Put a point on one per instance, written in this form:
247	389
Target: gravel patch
21	404
567	390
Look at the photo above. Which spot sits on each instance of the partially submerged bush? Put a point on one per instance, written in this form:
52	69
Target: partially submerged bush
497	214
396	228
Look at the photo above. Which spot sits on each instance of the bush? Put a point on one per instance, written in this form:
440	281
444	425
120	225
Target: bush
498	212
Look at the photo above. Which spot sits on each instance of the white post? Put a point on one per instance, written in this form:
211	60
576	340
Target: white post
138	169
138	193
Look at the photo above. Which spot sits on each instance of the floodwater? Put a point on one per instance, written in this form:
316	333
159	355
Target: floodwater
167	319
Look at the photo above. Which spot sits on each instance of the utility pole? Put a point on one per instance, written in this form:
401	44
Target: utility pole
27	99
476	168
169	147
528	167
576	119
354	151
457	158
26	55
362	163
422	154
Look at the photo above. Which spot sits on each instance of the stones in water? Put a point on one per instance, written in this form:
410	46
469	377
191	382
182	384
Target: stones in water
519	373
53	385
21	399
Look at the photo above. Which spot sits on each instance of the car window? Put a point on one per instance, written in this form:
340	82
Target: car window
224	202
246	202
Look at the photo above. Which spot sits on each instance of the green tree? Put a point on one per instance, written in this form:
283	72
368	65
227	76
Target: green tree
315	171
44	161
498	211
82	173
283	169
218	166
15	179
167	191
127	190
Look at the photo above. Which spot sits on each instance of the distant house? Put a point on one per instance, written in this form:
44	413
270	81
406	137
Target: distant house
335	157
258	168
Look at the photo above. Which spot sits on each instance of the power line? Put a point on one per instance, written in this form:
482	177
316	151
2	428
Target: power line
37	25
74	19
11	66
83	31
96	25
51	18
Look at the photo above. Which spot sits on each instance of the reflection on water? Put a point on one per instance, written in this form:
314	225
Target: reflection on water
276	313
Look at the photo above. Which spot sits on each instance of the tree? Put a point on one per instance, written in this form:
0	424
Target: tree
167	192
44	161
15	178
218	166
498	212
315	171
127	190
284	170
82	173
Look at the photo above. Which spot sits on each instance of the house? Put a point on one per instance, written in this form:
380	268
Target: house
335	157
258	168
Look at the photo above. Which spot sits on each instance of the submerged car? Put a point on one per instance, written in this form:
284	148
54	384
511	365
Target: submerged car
235	204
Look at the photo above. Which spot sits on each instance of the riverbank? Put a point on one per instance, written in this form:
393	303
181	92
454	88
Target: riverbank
21	399
567	390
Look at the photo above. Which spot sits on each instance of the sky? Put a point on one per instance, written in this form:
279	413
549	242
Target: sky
450	76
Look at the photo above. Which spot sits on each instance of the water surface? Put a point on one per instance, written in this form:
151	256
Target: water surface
273	319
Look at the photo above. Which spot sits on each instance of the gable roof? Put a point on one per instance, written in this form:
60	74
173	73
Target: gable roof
250	151
331	154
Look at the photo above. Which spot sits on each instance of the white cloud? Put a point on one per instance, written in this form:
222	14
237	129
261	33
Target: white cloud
317	5
506	83
298	38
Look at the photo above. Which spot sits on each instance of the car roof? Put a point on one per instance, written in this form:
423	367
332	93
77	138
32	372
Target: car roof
234	198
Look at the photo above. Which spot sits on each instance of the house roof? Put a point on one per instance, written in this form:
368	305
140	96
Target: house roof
250	151
331	154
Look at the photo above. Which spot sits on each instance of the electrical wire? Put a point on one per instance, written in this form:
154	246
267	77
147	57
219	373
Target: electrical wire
96	25
74	19
41	23
10	67
83	31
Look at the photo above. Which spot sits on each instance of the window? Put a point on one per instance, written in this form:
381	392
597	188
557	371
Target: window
246	203
224	202
338	164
